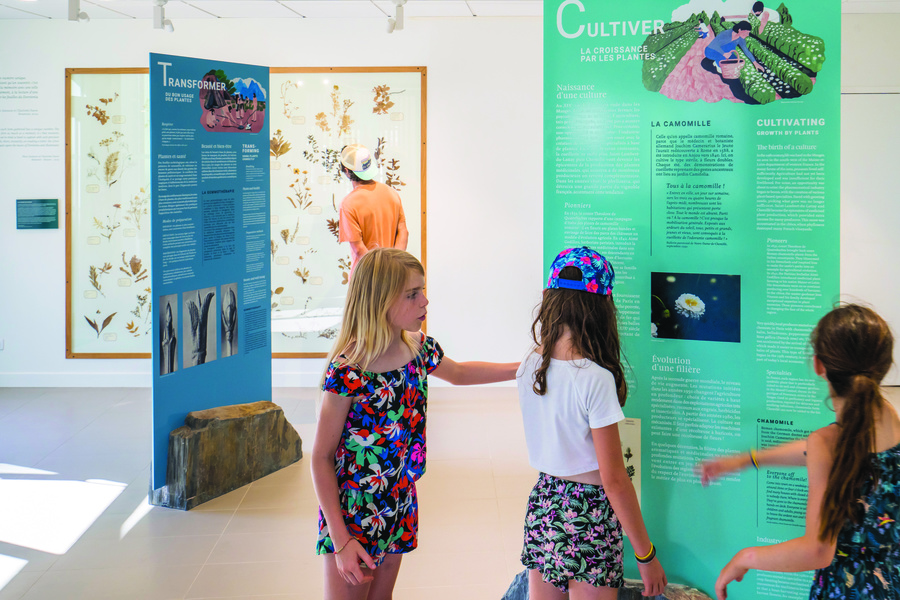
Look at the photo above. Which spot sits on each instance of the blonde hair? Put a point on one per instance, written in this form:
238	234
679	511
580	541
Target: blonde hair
378	280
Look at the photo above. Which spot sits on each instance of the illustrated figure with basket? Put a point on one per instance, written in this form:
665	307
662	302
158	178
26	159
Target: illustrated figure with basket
722	50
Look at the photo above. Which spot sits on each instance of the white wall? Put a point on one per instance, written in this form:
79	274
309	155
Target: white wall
870	128
484	172
484	168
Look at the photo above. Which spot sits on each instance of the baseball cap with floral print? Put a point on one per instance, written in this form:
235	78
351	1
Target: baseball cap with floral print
597	275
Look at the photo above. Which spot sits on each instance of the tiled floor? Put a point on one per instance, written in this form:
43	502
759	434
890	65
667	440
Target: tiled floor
74	523
74	470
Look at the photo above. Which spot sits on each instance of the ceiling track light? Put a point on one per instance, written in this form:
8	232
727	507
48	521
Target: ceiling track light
75	12
159	16
395	23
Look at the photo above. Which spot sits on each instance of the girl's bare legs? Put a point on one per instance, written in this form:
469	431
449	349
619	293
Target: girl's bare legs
579	590
538	589
381	587
337	588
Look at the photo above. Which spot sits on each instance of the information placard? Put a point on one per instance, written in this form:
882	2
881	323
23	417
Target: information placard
210	209
37	214
696	145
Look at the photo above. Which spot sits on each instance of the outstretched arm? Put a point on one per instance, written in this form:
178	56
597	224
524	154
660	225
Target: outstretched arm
474	373
790	454
803	553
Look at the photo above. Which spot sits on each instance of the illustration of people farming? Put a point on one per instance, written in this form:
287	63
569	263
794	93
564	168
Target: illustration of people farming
310	267
235	105
747	53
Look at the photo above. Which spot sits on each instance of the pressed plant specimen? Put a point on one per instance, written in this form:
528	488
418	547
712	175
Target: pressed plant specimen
99	112
137	208
378	154
329	158
99	328
302	272
96	273
340	113
289	237
299	335
382	100
133	329
111	161
329	334
289	88
276	292
134	269
300	189
344	265
278	146
322	122
334	227
274	248
392	178
112	223
141	311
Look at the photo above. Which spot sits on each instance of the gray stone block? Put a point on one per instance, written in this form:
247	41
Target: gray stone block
518	590
674	591
221	449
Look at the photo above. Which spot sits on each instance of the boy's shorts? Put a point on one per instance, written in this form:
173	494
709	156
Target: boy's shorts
571	532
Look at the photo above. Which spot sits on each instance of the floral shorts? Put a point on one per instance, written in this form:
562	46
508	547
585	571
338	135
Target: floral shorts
383	524
571	532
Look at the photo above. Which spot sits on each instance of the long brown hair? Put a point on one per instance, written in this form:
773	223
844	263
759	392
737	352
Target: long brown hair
591	319
855	346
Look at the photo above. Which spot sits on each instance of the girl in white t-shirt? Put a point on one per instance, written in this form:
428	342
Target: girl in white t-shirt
571	390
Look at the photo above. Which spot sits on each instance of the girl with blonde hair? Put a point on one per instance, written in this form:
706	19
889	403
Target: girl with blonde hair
369	449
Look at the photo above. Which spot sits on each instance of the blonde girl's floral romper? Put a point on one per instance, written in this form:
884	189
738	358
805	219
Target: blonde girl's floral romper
381	453
867	559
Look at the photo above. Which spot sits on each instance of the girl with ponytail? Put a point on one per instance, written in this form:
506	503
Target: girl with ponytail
852	532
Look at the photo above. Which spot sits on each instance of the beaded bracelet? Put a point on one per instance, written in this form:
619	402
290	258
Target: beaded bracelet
753	459
650	555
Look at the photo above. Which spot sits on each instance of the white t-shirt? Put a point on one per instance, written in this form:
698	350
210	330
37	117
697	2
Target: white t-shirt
580	396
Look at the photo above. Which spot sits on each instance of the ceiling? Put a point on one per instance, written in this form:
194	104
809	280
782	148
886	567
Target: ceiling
317	9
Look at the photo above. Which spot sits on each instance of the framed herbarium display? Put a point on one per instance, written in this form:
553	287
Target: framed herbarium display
108	295
314	114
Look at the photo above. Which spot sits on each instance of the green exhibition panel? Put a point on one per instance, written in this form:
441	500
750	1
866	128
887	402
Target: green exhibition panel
715	195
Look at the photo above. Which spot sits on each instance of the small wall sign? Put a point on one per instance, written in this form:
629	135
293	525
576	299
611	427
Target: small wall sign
37	214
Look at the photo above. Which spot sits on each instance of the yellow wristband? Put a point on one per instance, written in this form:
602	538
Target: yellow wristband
644	559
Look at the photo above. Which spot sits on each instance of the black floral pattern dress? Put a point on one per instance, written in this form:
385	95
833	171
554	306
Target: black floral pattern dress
867	561
381	454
